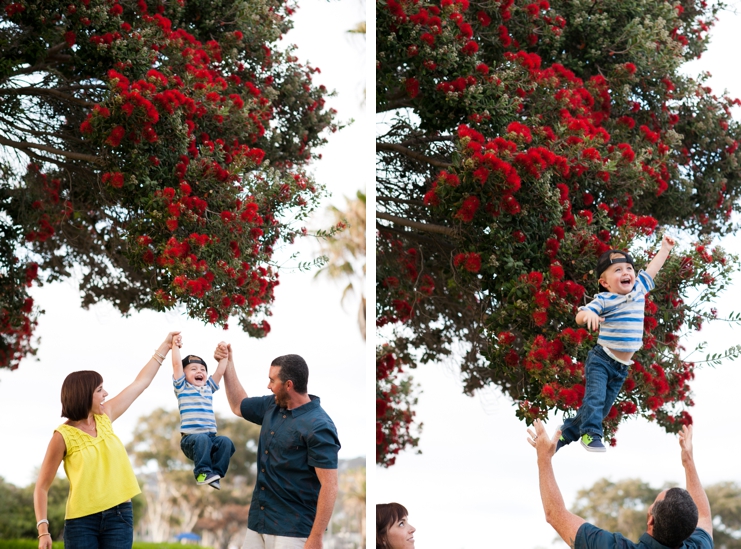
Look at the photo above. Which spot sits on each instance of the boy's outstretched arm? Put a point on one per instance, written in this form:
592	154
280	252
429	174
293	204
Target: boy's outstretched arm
221	368
653	268
177	362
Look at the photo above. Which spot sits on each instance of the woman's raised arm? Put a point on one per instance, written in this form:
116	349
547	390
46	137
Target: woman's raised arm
116	406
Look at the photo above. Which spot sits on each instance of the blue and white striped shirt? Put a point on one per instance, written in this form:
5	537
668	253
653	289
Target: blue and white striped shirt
196	406
622	329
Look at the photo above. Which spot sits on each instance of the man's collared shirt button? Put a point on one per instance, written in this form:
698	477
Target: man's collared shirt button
262	470
272	432
266	451
262	508
262	488
284	416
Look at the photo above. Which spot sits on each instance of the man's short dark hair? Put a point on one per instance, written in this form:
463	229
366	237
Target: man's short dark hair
77	393
293	367
675	517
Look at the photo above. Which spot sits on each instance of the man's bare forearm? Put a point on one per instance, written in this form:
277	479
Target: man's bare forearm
235	393
324	507
556	514
694	487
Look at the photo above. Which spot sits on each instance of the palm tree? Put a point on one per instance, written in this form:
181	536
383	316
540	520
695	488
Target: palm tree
346	252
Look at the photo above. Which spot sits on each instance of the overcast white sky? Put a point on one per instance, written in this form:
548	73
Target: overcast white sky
308	319
475	484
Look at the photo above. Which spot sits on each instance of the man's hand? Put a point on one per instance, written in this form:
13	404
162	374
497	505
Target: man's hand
685	443
221	351
539	440
313	543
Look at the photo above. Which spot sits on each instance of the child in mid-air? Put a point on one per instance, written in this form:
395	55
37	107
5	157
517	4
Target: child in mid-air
618	314
199	442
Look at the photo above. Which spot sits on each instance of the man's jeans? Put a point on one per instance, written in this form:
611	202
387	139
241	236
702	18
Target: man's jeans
210	453
605	377
253	540
109	529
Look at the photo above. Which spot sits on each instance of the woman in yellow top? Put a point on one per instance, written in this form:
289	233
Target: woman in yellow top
101	479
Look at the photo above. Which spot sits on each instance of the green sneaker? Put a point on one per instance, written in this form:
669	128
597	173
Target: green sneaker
592	444
201	479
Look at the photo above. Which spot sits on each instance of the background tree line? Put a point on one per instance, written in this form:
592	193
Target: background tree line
171	502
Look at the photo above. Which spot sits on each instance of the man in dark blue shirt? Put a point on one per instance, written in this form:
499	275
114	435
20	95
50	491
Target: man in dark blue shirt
297	457
676	519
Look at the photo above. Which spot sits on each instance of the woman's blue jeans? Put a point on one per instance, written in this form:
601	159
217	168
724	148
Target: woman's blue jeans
605	377
210	453
109	529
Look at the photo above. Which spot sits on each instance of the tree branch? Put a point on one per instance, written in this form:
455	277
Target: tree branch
42	91
393	105
425	227
400	201
25	146
422	239
394	147
428	139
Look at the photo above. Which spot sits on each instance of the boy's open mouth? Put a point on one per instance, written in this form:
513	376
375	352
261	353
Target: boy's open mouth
199	377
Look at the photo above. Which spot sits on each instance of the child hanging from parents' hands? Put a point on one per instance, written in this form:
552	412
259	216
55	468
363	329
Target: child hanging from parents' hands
199	442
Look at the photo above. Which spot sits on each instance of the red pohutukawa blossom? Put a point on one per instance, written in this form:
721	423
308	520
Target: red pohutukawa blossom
172	161
511	163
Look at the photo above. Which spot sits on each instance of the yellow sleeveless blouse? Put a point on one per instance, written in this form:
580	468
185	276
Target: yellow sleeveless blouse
98	468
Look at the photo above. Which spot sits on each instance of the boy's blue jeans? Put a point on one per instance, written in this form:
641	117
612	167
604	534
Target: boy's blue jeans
109	529
605	377
210	453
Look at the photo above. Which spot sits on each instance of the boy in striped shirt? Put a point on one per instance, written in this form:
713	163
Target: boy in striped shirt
194	389
618	315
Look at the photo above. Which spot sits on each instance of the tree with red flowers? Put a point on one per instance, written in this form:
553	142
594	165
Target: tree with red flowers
522	139
155	149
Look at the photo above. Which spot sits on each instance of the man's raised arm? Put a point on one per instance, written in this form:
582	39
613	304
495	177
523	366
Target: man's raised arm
704	518
235	393
557	515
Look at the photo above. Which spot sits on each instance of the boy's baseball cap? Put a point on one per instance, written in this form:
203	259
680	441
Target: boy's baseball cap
193	359
604	261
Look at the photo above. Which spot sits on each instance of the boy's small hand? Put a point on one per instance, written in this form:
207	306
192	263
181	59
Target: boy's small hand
592	320
667	242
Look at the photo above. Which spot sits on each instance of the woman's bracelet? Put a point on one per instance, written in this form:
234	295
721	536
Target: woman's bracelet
42	535
156	360
42	521
157	352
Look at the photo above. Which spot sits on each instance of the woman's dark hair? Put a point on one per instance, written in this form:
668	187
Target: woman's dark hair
293	367
77	393
386	515
675	517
